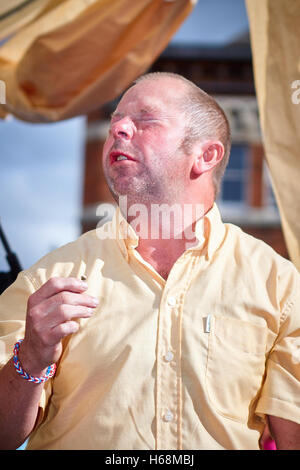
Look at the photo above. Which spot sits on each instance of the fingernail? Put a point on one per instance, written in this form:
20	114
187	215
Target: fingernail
95	301
84	285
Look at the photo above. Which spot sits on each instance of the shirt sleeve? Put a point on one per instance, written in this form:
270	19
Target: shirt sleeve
13	307
280	394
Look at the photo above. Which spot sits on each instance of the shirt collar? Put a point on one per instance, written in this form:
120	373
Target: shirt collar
214	229
209	231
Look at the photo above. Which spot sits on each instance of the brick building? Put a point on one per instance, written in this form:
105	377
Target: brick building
246	197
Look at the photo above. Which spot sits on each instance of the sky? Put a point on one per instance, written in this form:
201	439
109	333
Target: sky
41	165
213	22
41	168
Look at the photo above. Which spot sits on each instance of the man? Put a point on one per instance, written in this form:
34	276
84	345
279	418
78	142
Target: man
186	335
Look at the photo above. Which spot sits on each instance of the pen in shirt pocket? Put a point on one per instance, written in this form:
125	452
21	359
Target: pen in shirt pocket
207	324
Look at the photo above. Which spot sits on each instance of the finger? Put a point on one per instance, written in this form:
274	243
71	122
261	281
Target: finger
54	286
70	298
49	306
59	332
66	313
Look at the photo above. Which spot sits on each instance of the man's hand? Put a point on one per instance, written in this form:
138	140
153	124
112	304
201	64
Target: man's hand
285	433
51	314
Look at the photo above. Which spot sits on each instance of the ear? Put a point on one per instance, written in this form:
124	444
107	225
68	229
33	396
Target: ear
207	156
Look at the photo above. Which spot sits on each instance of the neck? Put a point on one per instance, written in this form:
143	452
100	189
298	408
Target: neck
165	231
161	254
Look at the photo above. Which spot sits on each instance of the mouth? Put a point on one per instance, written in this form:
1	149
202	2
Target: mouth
117	157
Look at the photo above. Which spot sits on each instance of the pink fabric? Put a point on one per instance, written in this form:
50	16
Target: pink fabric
269	444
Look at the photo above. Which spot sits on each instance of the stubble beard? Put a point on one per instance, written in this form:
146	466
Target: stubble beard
139	189
145	187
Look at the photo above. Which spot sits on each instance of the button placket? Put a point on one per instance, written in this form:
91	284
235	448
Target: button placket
169	381
168	416
169	356
167	376
171	301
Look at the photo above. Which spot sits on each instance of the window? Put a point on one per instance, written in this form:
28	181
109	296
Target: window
269	193
234	185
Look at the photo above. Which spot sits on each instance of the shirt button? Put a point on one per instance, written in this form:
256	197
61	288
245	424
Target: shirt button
168	416
171	301
169	356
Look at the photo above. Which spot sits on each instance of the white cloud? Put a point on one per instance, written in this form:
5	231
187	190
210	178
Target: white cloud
40	186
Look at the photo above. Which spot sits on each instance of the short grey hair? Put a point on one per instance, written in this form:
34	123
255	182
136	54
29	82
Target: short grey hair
205	120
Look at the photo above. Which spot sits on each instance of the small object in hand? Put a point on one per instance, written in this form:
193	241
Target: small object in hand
83	277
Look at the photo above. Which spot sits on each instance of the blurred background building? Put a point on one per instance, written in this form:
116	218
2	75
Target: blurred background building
217	57
51	178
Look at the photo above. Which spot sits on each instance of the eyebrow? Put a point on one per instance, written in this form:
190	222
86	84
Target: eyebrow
146	110
150	109
114	114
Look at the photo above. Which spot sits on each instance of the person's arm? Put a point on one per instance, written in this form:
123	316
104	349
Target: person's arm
19	402
285	433
50	314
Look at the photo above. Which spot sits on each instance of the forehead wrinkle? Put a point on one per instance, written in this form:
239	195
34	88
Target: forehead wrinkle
141	100
144	110
149	109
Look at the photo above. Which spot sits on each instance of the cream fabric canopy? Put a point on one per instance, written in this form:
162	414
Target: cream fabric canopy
67	57
274	30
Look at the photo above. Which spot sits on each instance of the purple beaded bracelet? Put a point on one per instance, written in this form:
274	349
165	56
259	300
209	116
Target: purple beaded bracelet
37	380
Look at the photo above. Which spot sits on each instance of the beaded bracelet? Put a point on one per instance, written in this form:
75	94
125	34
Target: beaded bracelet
37	380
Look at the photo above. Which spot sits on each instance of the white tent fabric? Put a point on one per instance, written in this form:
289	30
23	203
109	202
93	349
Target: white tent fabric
78	54
15	14
275	34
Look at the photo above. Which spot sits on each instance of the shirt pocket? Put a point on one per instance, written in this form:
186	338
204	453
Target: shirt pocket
235	365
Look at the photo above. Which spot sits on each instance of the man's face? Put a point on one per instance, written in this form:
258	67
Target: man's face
148	129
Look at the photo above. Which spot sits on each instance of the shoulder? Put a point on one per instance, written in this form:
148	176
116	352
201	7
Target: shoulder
263	263
67	252
254	249
71	259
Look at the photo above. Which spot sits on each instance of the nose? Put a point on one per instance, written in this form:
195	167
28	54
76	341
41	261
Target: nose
123	129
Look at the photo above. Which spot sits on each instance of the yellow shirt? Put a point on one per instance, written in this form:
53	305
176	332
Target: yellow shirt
194	362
